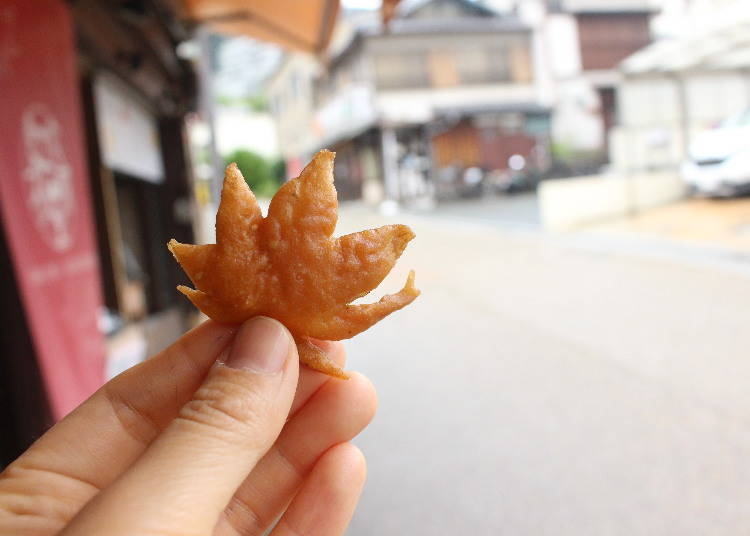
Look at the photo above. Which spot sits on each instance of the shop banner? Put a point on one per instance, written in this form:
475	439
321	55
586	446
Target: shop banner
45	203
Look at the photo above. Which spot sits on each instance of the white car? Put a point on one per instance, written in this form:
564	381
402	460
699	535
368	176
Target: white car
718	162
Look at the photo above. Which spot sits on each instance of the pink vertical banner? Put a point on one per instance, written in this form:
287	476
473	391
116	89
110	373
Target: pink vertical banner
45	203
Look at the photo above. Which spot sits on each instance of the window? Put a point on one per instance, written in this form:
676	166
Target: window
455	66
144	285
517	63
443	69
483	66
402	71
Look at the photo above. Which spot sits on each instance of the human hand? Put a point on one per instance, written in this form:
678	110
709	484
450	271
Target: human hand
215	435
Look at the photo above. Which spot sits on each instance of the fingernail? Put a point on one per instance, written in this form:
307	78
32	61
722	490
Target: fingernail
261	345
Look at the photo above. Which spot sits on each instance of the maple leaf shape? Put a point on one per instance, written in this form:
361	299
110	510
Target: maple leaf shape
288	266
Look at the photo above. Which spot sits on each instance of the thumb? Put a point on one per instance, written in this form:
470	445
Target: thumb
188	475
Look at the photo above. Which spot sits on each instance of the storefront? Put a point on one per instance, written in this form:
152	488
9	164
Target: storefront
95	177
94	183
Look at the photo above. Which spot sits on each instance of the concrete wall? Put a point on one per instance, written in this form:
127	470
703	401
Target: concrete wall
290	96
559	79
653	134
240	128
569	203
577	124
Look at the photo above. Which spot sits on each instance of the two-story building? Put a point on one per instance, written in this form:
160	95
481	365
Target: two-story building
453	84
450	84
578	45
678	87
95	177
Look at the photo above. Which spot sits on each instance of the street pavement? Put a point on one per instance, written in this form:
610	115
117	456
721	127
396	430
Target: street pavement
519	211
720	222
556	384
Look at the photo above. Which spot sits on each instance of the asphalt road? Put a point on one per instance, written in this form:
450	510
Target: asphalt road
511	211
556	385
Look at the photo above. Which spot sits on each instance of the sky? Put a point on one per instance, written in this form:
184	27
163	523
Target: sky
245	63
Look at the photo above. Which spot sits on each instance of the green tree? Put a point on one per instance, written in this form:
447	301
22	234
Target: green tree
278	169
257	103
256	170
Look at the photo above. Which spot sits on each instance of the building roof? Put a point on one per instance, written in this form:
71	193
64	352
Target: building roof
488	22
449	16
611	6
469	8
415	20
526	107
452	26
721	48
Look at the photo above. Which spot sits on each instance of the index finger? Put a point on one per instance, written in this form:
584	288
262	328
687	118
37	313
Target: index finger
92	444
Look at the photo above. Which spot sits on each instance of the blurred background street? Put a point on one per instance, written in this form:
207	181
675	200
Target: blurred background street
520	211
577	174
557	385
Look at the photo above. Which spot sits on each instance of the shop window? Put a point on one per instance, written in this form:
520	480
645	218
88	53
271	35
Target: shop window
144	280
402	71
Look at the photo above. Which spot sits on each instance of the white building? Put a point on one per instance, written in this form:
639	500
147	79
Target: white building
455	84
291	100
578	45
680	86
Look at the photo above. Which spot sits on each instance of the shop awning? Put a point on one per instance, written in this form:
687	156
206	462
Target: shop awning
303	25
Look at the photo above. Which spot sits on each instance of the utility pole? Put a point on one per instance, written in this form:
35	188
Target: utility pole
207	106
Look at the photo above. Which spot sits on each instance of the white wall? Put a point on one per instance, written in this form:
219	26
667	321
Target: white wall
651	133
564	51
533	13
570	203
646	102
290	96
648	148
346	113
240	128
713	96
128	131
418	105
577	123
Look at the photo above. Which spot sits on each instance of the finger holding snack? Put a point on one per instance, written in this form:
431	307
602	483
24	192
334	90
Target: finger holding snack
223	432
289	267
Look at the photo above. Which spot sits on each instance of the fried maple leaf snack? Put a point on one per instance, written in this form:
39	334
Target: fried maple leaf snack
288	266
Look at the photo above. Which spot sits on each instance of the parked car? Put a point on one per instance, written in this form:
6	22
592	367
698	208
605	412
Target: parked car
718	162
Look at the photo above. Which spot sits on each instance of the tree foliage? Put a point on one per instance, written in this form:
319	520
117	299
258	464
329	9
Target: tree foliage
257	171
